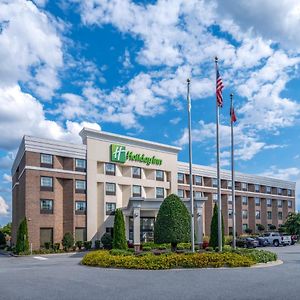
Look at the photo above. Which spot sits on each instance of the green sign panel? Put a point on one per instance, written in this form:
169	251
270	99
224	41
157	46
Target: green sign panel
119	154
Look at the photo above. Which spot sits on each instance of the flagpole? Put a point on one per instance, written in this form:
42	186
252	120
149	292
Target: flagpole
190	165
218	168
232	175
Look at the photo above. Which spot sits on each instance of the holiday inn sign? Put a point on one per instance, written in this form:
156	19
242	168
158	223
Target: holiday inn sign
119	154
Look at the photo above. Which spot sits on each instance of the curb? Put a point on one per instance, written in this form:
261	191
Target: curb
278	262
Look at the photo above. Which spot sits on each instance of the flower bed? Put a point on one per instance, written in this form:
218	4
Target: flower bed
149	261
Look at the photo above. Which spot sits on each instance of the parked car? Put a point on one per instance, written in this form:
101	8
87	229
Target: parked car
286	239
294	238
275	239
246	243
262	241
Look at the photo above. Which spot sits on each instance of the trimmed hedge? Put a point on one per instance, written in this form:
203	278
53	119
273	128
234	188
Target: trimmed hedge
149	261
259	256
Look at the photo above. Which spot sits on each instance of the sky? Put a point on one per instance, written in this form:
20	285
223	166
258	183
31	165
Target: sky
122	65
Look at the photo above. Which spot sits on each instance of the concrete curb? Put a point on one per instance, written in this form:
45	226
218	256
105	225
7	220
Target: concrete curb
278	262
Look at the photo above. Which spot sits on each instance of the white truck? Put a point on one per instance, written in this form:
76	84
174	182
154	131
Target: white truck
275	239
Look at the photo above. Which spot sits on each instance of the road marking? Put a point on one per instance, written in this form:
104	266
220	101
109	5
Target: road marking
40	258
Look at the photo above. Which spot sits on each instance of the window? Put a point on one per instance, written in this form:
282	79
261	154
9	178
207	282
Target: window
257	214
80	164
180	178
110	208
230	230
180	193
110	188
197	195
46	160
215	197
80	207
80	186
46	183
197	180
280	215
80	234
215	182
290	204
46	206
268	189
289	192
110	169
257	201
136	191
269	202
279	191
136	172
245	214
229	184
160	192
110	230
230	213
244	186
229	199
269	215
46	236
279	203
257	188
159	175
245	200
245	226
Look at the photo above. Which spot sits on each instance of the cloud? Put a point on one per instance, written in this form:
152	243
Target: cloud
3	207
175	121
7	160
7	178
284	174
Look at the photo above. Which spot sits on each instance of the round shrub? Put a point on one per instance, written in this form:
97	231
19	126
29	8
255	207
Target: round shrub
68	241
106	240
79	244
97	244
87	245
173	222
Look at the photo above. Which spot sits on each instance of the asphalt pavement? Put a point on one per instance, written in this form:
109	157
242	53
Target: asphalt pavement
62	277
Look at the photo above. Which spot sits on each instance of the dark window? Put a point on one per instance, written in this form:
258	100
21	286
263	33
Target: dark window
110	169
180	178
279	191
229	184
136	172
159	175
80	186
245	226
215	182
279	203
198	195
268	189
230	213
290	204
229	199
80	164
180	193
197	180
46	160
46	236
110	230
257	214
46	206
80	234
269	215
80	207
46	183
257	201
110	188
256	188
244	200
110	208
244	186
160	192
269	202
136	191
289	192
280	215
245	214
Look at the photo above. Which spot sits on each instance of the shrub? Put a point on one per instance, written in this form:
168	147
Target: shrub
107	240
260	227
79	244
68	241
97	244
2	239
56	246
172	223
120	252
213	241
259	256
146	248
166	261
248	230
22	244
87	245
228	240
47	245
210	249
227	248
272	227
119	238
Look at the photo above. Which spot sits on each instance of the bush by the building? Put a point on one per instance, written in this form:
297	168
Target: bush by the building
22	244
97	244
119	238
213	241
68	241
87	245
173	222
2	239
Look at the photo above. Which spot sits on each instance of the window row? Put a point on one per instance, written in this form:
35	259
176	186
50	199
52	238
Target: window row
197	194
257	214
46	161
47	206
47	184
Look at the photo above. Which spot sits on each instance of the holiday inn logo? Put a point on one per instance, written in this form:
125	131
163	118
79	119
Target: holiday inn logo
119	154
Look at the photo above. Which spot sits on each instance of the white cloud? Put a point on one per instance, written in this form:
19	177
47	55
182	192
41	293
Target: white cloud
7	178
3	207
284	174
175	121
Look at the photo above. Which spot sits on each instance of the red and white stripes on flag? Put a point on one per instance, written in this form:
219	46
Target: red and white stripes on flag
219	88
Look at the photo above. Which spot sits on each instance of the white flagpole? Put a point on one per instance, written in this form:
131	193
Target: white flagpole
190	165
232	175
218	169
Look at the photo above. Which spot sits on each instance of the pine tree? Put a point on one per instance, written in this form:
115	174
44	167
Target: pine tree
119	238
173	222
213	241
22	244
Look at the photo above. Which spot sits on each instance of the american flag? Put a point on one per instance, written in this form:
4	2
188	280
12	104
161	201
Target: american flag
219	88
232	114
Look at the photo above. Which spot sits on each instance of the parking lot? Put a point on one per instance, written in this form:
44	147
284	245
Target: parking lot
61	277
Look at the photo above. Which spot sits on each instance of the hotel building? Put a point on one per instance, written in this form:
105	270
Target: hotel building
62	187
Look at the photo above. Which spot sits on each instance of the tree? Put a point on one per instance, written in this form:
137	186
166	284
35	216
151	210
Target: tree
272	227
292	223
213	241
2	239
22	244
6	229
68	241
260	227
248	230
119	238
173	222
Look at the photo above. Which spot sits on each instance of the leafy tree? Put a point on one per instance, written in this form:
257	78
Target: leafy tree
6	229
272	227
173	222
2	239
292	223
213	241
22	244
68	241
248	230
260	227
119	238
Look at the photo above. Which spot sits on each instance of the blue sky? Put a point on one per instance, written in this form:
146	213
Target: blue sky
122	65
